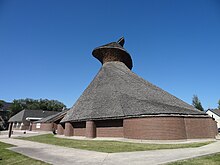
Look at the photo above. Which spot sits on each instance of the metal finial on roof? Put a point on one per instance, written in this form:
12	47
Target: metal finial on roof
121	41
113	51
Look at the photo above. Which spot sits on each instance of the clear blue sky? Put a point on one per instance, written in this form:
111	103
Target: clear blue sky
46	45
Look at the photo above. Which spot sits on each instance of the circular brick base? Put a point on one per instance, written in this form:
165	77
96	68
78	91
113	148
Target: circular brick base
148	128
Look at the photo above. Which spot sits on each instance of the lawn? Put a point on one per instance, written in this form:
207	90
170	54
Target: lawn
213	159
107	146
10	157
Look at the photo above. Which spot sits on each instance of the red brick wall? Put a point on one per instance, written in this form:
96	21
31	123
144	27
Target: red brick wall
200	128
79	132
79	129
55	126
169	128
60	129
155	128
109	128
90	129
34	127
43	127
68	129
110	132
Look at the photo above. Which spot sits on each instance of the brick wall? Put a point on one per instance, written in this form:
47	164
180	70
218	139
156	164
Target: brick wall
152	128
155	128
79	128
200	128
79	132
60	129
109	128
110	132
169	128
43	127
68	129
90	129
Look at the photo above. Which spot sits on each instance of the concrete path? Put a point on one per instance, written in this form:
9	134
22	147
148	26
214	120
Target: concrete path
68	156
22	133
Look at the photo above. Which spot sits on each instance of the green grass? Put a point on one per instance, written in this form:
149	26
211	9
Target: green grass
9	157
213	159
107	146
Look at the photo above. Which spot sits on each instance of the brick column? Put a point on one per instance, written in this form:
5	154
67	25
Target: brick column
68	129
60	129
90	129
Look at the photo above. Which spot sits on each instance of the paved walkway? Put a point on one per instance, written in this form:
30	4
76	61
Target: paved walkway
67	156
183	141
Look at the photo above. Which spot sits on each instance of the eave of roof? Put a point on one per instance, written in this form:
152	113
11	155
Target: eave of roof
22	115
215	111
53	118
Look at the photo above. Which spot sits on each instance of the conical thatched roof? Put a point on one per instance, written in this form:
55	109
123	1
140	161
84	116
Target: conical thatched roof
117	92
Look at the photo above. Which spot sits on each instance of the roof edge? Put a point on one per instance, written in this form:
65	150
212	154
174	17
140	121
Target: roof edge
141	116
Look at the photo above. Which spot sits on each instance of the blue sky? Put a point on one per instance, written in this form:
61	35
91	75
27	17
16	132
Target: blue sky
46	45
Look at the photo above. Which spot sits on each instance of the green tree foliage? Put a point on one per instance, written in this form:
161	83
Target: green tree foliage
1	104
15	107
32	104
196	103
218	104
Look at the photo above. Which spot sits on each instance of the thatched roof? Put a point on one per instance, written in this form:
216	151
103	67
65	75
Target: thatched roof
117	92
113	51
53	118
22	115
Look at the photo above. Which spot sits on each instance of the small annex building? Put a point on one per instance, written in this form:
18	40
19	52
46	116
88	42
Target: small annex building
49	123
24	119
215	114
118	103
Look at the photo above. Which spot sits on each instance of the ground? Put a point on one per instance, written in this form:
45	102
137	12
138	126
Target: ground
62	155
10	157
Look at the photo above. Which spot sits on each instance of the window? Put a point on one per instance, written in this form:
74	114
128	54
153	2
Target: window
38	125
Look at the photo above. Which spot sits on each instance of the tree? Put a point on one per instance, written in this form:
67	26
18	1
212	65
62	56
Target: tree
1	104
196	103
219	104
15	107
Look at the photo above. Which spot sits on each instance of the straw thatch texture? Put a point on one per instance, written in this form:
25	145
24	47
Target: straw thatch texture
116	92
